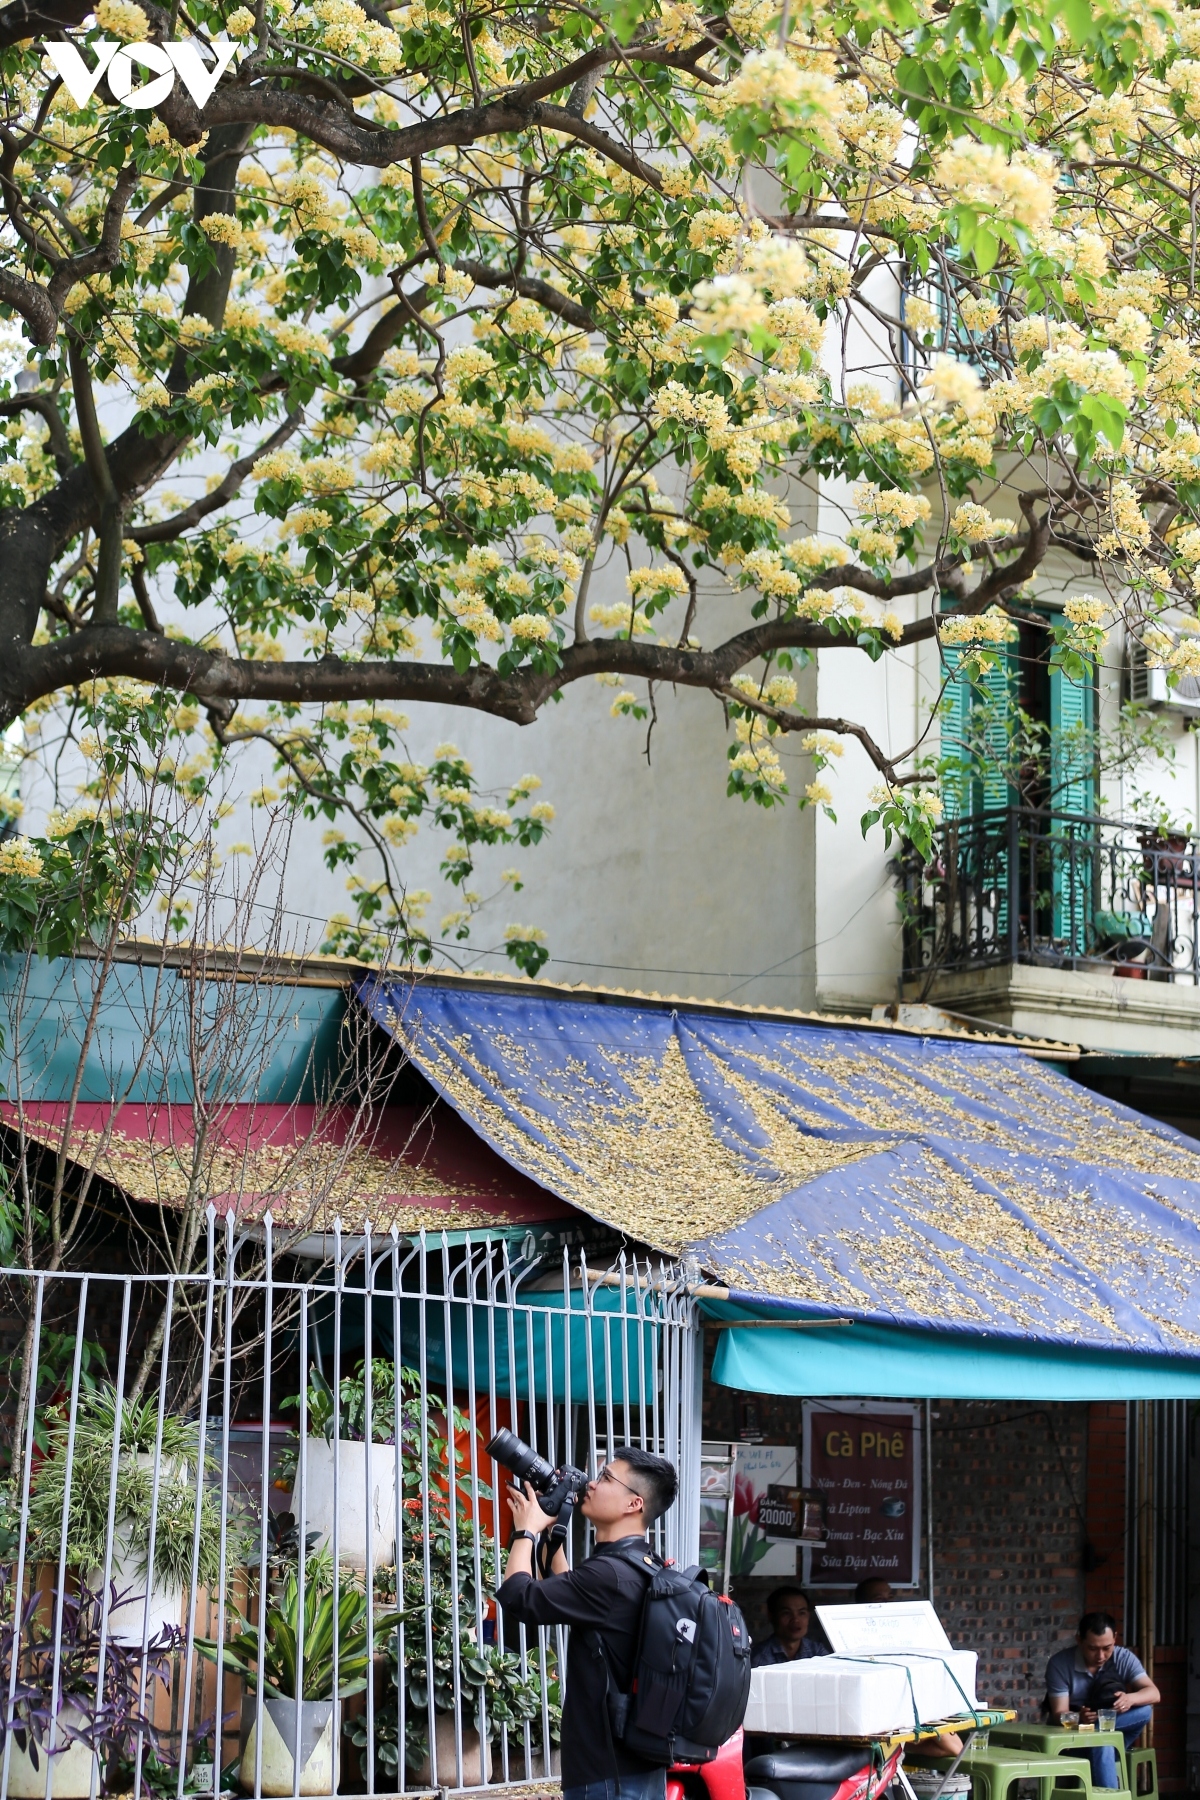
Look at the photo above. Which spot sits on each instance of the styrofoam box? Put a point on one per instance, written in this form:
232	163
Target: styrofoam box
873	1629
841	1696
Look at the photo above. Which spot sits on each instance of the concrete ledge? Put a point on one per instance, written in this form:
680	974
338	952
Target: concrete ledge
1098	1012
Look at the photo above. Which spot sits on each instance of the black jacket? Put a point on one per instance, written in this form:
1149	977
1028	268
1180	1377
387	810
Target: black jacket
605	1594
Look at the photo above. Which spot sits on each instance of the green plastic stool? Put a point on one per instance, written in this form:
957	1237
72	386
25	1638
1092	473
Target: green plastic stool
1052	1740
1139	1760
996	1770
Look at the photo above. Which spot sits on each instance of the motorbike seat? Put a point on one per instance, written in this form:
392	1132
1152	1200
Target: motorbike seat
808	1762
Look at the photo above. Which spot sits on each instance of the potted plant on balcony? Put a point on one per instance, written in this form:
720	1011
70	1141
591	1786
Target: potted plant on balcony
145	1600
366	1521
1165	844
61	1709
296	1646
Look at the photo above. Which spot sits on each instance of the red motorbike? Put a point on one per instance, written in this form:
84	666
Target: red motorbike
820	1770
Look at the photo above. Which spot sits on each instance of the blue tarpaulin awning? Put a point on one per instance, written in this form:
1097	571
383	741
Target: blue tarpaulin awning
958	1197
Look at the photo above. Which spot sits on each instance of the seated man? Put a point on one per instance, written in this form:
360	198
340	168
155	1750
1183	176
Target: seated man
790	1614
875	1590
1097	1672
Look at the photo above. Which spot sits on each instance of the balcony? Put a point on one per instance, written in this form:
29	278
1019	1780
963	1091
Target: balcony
1062	924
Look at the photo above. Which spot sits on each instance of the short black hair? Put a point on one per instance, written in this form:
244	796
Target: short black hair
1095	1624
863	1591
778	1595
657	1481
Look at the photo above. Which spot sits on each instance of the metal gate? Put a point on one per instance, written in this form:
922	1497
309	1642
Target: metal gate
252	1527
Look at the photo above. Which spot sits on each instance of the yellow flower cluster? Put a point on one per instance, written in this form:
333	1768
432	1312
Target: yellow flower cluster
1129	528
222	228
904	510
991	627
19	857
1085	609
983	176
533	628
664	580
122	19
975	524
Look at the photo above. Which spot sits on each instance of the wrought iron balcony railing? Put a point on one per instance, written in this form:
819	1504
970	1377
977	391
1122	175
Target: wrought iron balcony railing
1063	890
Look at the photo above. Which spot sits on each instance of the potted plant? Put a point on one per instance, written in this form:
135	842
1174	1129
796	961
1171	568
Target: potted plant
366	1521
491	1686
93	1707
298	1698
441	1585
145	1601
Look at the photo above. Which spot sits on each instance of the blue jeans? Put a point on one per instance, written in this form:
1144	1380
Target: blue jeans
652	1785
1103	1758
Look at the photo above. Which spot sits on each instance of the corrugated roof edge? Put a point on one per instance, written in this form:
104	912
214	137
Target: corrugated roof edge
336	971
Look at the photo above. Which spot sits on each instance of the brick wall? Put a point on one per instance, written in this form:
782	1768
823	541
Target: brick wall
1105	1583
1008	1492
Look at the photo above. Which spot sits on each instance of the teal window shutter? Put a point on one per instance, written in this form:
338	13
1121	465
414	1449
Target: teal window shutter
1073	790
955	716
982	785
968	791
995	697
1072	744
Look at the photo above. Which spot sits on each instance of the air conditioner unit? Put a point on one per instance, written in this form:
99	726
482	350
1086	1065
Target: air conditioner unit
1150	686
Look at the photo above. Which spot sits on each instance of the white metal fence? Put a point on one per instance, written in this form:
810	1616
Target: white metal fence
251	1536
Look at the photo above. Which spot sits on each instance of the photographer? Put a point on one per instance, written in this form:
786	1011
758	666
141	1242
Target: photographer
605	1595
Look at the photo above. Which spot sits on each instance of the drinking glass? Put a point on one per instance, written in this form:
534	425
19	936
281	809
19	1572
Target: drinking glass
1106	1718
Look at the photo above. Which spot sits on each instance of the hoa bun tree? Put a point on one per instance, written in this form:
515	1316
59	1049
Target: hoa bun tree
463	301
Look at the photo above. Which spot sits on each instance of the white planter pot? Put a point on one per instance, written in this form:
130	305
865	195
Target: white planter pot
364	1520
292	1732
130	1578
72	1767
473	1774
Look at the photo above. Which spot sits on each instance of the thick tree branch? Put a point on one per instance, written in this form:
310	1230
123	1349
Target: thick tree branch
43	405
108	568
356	365
328	124
107	253
24	20
164	531
1014	574
789	721
101	651
33	303
141	590
530	287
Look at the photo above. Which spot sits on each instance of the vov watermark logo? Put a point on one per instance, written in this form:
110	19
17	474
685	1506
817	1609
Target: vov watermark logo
164	61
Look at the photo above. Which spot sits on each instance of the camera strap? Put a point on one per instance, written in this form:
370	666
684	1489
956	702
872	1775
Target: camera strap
556	1537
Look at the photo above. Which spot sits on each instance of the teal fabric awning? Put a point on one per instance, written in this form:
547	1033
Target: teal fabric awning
541	1349
880	1362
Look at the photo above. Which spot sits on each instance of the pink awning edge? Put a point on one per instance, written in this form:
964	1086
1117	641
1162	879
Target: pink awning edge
405	1165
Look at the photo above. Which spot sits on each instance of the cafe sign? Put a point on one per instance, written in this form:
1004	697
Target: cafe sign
864	1456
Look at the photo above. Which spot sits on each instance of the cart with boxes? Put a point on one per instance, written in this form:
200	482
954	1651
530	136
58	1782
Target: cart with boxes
894	1682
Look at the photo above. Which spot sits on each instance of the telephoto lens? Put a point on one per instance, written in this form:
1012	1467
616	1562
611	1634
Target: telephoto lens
507	1448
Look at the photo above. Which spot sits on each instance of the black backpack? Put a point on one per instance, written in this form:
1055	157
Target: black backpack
691	1675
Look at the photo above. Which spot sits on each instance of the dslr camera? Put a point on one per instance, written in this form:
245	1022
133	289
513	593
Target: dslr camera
555	1488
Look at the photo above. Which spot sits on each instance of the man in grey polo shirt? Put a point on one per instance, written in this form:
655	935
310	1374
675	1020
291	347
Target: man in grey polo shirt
1098	1671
